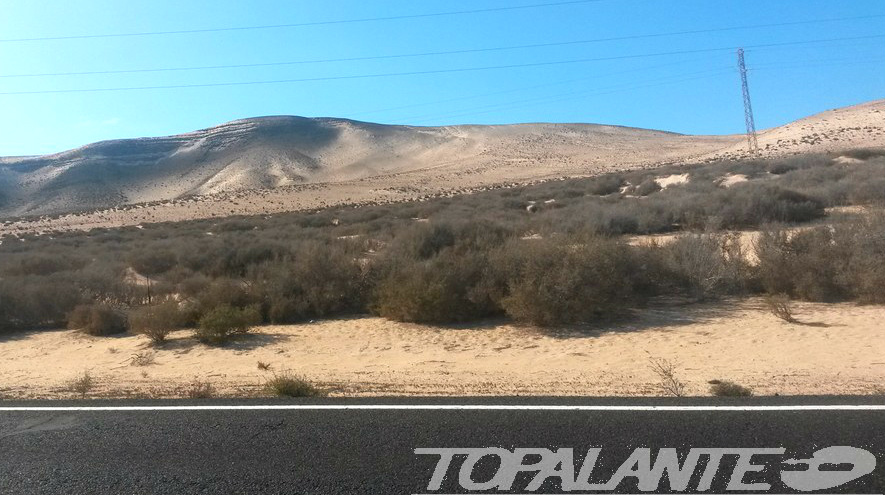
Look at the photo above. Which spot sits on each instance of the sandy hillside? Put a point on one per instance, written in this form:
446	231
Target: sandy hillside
280	164
276	152
838	350
859	126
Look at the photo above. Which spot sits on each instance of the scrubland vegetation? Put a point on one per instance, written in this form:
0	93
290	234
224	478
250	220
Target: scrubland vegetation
548	254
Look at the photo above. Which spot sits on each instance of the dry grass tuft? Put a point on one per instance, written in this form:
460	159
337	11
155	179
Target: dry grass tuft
726	388
81	385
199	389
143	358
666	371
289	385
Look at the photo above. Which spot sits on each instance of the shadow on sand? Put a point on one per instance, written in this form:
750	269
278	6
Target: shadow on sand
245	342
658	314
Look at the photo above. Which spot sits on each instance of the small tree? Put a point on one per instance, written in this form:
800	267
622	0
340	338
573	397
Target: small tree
218	325
156	322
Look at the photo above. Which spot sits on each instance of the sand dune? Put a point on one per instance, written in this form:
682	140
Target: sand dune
278	164
838	350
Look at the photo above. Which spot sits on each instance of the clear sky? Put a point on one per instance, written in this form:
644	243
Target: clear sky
638	85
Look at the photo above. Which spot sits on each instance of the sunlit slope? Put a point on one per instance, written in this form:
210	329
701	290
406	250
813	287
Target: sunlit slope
276	152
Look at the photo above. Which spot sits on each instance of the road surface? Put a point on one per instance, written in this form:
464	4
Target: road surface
331	446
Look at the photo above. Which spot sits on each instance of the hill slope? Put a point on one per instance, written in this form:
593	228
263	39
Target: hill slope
284	163
271	152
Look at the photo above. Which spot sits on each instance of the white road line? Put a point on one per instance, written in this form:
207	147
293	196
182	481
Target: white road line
443	407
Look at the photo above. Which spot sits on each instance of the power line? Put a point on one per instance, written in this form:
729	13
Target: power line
428	72
300	24
438	53
815	62
518	105
753	68
765	66
568	95
524	88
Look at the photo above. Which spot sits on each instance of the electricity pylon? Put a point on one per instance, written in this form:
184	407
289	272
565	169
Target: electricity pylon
752	143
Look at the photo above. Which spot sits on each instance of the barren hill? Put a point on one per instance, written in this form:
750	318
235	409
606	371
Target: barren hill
285	163
271	152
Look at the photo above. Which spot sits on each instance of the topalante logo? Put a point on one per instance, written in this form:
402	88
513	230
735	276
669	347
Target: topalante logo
737	469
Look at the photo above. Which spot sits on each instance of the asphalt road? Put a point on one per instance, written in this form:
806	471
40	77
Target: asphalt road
318	447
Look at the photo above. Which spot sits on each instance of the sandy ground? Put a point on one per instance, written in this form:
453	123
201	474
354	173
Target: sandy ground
839	349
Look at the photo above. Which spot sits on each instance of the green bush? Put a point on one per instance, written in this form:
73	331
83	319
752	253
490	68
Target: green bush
97	320
218	325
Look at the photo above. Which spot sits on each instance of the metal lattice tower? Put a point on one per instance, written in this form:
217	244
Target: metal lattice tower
752	143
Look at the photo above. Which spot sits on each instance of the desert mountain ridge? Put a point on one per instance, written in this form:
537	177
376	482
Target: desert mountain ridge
285	163
277	151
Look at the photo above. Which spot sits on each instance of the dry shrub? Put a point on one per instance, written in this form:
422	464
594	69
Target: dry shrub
221	292
199	389
82	384
646	187
750	204
318	281
152	262
447	288
143	358
572	280
28	302
863	272
40	264
289	385
220	324
804	265
706	265
725	388
825	264
97	320
605	185
669	384
779	305
158	321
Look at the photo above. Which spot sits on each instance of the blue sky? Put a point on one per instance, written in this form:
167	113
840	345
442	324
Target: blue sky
683	92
